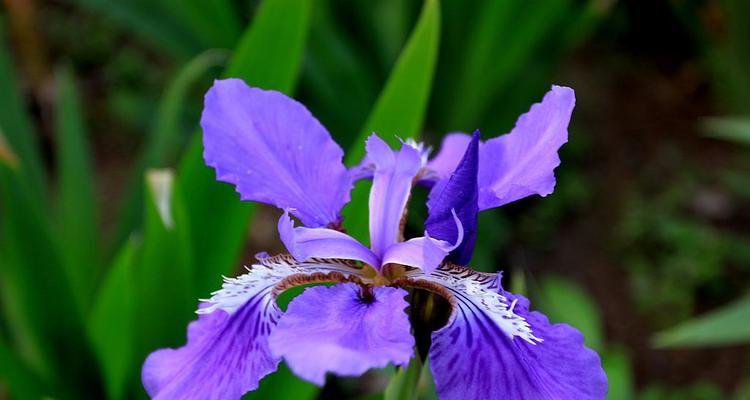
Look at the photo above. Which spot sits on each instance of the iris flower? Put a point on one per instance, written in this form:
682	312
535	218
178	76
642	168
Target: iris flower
492	346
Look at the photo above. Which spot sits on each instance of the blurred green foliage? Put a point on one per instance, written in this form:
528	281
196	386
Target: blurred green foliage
85	296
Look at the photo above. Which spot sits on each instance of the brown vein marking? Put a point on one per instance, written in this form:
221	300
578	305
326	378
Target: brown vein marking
316	277
433	287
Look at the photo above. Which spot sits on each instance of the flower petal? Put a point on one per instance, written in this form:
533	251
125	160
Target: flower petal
343	330
305	243
425	253
522	162
494	348
274	151
459	192
452	150
227	351
391	186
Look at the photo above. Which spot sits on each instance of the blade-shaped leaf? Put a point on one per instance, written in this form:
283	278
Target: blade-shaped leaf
404	384
268	56
401	106
735	130
78	217
111	324
21	381
163	142
723	327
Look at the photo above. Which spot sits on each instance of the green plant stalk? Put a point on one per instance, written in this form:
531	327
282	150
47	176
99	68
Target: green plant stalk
405	383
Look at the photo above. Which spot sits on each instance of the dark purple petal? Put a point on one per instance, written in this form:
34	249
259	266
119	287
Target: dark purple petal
341	329
304	243
522	162
452	150
227	352
391	186
494	348
274	151
458	192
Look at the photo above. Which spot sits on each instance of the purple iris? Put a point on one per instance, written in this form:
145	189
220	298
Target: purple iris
492	347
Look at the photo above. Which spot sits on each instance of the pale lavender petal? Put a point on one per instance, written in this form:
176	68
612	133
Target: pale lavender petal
522	162
458	192
452	149
391	186
425	253
304	243
227	352
493	347
343	330
274	151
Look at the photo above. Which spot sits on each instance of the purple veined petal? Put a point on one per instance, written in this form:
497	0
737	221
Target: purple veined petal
494	348
341	329
274	151
522	163
391	187
452	150
227	351
425	253
458	192
304	243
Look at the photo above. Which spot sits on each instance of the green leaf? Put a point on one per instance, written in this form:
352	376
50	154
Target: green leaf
163	142
111	324
22	382
400	109
164	272
17	128
78	218
268	56
619	369
283	384
723	327
405	383
211	23
564	301
735	130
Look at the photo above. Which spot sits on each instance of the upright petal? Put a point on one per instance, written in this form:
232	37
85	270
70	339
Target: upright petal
494	348
344	329
522	162
458	192
305	243
274	151
452	150
391	186
227	351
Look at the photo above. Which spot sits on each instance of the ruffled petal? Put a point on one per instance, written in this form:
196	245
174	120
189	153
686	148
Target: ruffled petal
391	186
344	330
304	243
227	352
494	348
425	253
522	162
274	151
458	192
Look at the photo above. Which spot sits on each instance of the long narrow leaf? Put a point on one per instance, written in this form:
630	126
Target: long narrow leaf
726	326
78	217
21	381
111	324
401	106
268	56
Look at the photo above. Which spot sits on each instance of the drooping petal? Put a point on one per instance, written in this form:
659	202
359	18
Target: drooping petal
304	243
458	192
391	186
343	330
522	162
227	352
425	253
494	348
452	150
274	151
